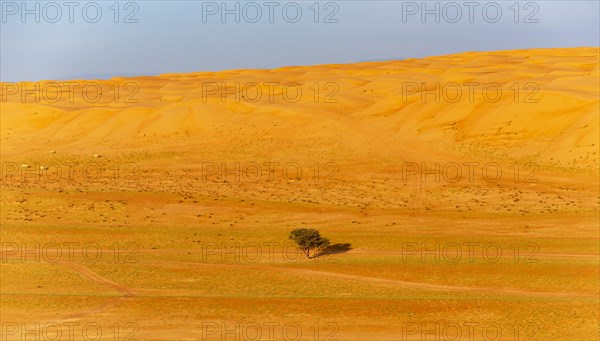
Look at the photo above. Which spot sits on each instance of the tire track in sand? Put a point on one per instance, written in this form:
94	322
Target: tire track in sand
82	270
126	292
403	283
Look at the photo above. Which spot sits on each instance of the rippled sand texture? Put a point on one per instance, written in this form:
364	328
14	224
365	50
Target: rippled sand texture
167	175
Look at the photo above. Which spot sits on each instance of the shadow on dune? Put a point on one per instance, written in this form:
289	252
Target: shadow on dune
334	249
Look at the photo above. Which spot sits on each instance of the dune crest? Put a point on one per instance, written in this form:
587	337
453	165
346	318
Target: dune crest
539	105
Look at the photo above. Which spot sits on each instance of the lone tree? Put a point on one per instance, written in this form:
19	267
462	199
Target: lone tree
308	239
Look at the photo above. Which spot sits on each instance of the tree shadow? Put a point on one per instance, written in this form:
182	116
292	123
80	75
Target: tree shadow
334	249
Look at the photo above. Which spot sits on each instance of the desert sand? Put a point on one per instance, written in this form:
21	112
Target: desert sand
159	207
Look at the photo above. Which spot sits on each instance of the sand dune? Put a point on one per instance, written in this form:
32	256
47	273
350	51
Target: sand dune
132	178
547	112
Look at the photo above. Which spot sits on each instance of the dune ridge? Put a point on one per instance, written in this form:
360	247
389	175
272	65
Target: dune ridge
547	112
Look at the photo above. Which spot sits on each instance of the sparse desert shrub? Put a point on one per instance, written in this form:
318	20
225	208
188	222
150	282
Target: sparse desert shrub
308	240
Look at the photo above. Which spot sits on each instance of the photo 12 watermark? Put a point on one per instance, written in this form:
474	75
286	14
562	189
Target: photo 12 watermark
268	331
248	172
452	12
54	252
52	12
54	172
269	92
468	331
266	252
454	172
69	331
472	92
270	12
51	92
469	252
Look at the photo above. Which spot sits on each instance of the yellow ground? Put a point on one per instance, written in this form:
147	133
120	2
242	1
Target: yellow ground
186	236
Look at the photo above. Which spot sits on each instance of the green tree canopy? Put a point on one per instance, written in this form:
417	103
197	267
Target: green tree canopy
308	239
